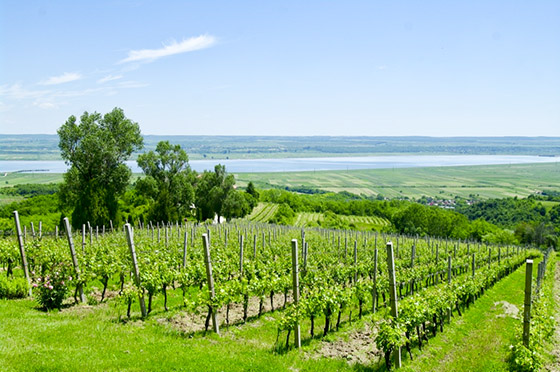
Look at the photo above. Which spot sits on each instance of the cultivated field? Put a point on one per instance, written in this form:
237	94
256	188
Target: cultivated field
490	181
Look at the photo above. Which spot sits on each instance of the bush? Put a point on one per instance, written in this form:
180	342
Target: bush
52	288
13	288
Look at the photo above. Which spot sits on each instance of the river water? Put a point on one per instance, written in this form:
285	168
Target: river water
306	164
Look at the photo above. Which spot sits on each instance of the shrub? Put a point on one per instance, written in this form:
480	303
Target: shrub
52	288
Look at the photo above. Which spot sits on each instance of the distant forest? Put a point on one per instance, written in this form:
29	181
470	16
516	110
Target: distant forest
45	147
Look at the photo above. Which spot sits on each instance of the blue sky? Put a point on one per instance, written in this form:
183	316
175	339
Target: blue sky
435	68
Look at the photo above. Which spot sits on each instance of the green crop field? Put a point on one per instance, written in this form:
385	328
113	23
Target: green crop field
263	212
490	181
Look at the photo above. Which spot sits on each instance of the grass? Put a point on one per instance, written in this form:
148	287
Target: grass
480	339
11	179
490	181
91	338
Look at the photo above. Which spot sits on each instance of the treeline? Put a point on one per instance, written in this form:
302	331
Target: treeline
528	218
507	221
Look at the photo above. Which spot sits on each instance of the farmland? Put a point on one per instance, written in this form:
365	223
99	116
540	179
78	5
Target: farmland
491	181
254	298
438	182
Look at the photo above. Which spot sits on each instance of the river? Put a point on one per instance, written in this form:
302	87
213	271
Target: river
306	164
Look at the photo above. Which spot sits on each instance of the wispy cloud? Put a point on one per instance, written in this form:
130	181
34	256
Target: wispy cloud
54	98
61	79
46	105
109	78
188	45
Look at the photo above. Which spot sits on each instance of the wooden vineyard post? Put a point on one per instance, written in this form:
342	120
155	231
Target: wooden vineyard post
254	246
527	302
374	294
473	265
185	244
241	255
295	283
79	286
210	278
136	272
22	251
83	239
355	261
393	294
449	282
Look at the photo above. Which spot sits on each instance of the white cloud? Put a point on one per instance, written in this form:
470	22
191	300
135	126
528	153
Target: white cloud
109	78
64	78
46	105
188	45
17	92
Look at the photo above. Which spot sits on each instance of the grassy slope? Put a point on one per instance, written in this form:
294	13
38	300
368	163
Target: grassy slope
91	338
83	338
480	339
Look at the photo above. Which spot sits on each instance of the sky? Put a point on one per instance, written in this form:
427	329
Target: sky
338	68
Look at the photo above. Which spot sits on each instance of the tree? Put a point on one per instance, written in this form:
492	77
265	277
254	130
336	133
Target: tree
168	182
236	205
212	190
96	149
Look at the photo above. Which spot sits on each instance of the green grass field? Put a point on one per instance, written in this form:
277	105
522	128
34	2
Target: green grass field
92	338
491	181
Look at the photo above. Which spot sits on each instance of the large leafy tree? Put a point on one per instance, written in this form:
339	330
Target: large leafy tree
168	182
96	149
211	191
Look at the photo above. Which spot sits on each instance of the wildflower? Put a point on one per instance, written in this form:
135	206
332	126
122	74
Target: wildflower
51	287
62	282
34	285
69	278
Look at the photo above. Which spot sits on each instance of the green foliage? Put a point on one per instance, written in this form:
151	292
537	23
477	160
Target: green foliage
96	149
237	204
13	287
212	190
168	182
52	288
29	189
284	215
251	190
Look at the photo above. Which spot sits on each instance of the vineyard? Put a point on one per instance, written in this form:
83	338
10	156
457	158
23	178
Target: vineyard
263	212
342	276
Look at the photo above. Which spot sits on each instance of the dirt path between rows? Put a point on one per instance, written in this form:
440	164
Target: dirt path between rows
555	365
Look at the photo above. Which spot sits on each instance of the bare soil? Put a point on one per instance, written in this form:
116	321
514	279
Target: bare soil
355	346
509	310
190	323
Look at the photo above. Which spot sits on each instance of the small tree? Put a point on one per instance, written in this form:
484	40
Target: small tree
168	182
96	149
212	190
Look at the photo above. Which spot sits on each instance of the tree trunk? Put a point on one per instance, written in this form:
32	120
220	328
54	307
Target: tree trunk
164	289
105	282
